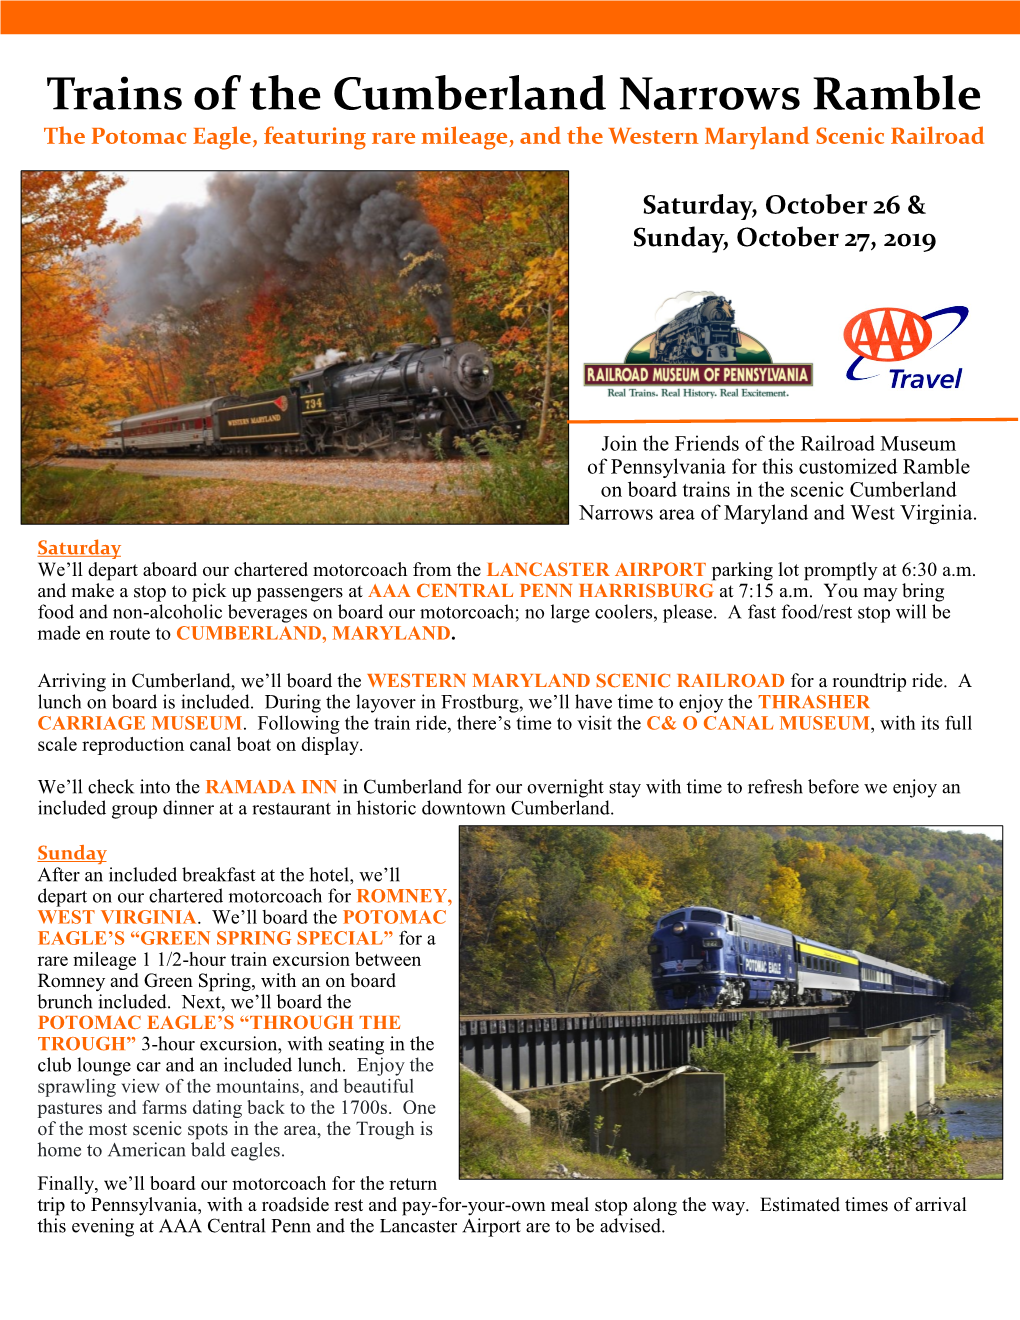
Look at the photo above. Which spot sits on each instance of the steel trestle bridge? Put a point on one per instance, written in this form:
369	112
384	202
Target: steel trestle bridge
523	1053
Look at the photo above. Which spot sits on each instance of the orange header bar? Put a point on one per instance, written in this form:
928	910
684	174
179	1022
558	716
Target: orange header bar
544	17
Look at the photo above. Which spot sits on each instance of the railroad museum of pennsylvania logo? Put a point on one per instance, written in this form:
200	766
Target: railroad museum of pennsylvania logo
701	345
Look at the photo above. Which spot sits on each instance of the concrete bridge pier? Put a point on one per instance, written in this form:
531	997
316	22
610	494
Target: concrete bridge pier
669	1121
900	1062
858	1064
888	1073
939	1042
925	1049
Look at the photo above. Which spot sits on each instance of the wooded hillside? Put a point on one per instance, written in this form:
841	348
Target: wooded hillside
556	918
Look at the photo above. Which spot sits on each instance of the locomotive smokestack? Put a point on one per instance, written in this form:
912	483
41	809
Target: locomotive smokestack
447	340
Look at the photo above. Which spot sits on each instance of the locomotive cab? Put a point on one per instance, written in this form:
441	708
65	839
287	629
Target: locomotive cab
689	958
704	958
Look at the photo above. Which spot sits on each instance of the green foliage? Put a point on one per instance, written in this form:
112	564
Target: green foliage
554	919
977	956
517	483
911	1149
493	1144
974	1063
782	1120
923	898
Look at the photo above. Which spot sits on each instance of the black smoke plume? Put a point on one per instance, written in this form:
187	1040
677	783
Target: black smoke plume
282	223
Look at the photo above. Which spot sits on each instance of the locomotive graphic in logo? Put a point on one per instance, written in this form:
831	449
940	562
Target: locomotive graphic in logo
895	335
704	333
701	345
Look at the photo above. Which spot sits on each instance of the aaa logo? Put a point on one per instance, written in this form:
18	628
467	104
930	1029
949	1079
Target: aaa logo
887	334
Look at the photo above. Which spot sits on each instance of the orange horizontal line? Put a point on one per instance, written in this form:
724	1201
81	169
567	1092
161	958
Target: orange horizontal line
546	17
758	421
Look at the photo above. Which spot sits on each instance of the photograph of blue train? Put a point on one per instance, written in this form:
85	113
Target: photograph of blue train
702	958
731	1001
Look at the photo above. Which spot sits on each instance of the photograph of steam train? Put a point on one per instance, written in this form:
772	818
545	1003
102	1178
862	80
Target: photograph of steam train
294	346
731	1001
395	404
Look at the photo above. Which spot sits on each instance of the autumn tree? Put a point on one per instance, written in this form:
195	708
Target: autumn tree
73	377
554	920
784	901
506	236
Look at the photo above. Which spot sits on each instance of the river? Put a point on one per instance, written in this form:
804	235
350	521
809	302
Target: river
981	1119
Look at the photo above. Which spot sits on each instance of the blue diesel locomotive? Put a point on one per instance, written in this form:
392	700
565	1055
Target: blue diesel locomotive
703	957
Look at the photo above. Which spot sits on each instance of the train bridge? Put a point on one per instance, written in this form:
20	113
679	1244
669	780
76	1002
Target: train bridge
886	1050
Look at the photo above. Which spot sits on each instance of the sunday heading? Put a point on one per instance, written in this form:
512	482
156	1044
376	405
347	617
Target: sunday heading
920	92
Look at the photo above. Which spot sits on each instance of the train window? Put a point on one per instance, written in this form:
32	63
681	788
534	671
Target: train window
705	914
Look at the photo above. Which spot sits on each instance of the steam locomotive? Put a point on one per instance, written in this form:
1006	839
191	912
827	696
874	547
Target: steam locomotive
704	333
416	398
705	958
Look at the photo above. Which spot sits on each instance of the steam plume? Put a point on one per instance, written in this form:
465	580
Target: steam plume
686	299
284	223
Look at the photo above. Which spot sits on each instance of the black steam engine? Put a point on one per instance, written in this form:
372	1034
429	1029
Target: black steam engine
704	333
404	399
418	397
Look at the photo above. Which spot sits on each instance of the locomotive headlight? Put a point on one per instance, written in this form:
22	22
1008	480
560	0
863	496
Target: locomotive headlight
679	928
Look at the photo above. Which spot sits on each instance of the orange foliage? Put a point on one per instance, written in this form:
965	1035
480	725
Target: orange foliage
72	377
259	359
505	234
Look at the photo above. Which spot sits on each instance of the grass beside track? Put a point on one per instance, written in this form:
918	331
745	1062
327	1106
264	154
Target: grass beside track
102	496
494	1145
982	1158
973	1067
